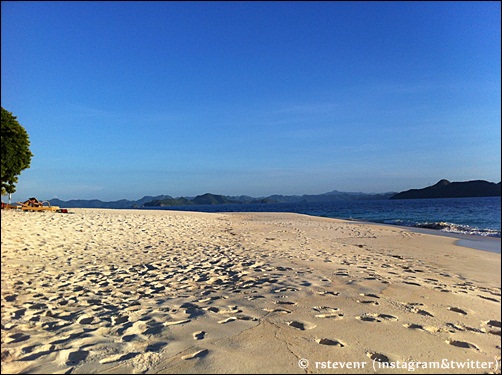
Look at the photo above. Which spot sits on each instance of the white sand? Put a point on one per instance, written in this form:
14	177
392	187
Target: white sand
131	291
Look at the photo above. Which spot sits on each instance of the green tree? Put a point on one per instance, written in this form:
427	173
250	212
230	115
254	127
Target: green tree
16	154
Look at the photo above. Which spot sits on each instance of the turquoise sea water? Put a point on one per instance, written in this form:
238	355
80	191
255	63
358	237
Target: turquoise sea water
475	216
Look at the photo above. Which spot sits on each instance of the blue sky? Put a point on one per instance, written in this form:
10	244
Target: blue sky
126	99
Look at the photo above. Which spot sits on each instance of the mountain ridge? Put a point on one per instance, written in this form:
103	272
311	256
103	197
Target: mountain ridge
210	199
442	189
446	189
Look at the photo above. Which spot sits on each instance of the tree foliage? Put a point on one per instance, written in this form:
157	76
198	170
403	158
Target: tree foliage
16	154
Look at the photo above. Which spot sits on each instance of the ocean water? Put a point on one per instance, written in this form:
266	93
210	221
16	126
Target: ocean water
475	216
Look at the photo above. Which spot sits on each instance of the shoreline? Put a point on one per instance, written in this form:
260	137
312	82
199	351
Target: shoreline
162	291
420	213
472	241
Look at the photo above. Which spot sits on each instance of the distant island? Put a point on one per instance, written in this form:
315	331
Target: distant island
447	189
212	199
443	189
205	199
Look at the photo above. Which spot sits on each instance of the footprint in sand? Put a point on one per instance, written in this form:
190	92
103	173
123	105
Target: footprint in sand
492	327
457	310
285	303
18	337
378	357
76	357
132	338
86	320
325	308
476	330
118	357
251	298
41	351
369	295
420	327
18	314
328	312
212	309
330	342
368	318
429	280
462	344
198	354
342	274
228	320
375	317
283	311
388	317
489	298
119	319
326	292
299	325
11	298
413	326
422	312
199	335
285	289
368	302
155	347
177	322
412	308
332	316
493	323
411	283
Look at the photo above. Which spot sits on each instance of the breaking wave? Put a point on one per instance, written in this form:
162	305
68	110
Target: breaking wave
448	227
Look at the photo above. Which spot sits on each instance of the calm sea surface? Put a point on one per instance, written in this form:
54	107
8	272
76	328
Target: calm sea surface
477	216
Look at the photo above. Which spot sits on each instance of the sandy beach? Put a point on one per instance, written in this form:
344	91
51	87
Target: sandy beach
136	291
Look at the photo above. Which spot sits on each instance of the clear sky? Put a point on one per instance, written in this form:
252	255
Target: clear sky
126	99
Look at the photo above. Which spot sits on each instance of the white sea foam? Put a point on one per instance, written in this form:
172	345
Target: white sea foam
449	227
